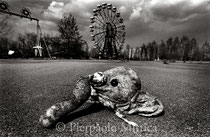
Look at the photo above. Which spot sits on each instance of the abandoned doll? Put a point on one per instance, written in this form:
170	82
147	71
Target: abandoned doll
118	88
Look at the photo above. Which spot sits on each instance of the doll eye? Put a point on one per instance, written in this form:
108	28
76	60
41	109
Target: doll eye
114	82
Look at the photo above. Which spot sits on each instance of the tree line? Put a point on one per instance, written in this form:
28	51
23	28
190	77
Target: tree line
184	49
69	44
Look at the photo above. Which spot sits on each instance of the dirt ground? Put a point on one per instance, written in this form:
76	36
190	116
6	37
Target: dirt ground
28	87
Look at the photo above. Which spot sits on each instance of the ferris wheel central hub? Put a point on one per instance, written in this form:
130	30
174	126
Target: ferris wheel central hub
108	31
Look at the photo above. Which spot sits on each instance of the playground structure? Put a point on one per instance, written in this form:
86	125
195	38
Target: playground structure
25	13
108	31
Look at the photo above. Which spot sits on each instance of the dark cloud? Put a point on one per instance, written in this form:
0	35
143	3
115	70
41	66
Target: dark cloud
17	5
179	10
164	20
137	27
145	20
184	18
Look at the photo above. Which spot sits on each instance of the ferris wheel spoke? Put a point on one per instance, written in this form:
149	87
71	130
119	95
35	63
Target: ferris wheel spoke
108	31
120	34
100	38
101	42
99	24
118	40
110	19
100	45
120	31
121	26
114	18
100	20
104	12
119	37
117	22
116	46
100	33
102	17
105	15
98	28
109	16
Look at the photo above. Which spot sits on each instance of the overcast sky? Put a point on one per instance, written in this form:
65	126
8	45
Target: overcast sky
145	20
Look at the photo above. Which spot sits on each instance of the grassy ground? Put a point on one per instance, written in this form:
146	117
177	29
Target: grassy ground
28	87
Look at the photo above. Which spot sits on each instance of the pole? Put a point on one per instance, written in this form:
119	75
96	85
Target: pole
39	29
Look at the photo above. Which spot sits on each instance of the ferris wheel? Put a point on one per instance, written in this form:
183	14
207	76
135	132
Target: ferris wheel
108	31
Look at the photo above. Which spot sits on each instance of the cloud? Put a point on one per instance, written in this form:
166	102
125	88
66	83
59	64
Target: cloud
182	18
54	10
136	13
81	10
158	20
145	20
179	10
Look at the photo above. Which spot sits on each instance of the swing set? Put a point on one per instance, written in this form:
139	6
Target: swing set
25	13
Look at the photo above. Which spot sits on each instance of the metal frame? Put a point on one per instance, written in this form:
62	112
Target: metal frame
24	13
108	31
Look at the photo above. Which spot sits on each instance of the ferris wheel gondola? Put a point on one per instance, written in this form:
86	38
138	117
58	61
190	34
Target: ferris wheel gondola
108	30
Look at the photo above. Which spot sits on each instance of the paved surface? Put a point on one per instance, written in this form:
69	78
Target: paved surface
28	87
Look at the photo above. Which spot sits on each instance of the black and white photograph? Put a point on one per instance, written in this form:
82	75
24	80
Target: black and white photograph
105	68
